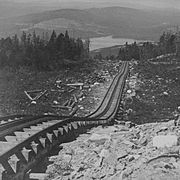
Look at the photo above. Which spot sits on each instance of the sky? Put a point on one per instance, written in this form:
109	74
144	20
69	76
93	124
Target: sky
159	3
94	3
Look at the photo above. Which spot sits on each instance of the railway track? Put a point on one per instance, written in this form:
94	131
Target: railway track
24	140
11	118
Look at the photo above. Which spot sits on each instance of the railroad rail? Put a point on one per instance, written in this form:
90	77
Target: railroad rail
27	139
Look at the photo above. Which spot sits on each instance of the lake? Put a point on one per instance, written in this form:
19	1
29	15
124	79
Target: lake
108	41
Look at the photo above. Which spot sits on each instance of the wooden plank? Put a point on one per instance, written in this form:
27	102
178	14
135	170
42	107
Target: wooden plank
11	139
39	94
75	109
79	123
26	153
74	124
69	126
43	141
66	103
35	147
3	122
61	130
76	84
50	137
50	123
36	128
5	146
80	95
39	176
75	98
1	171
10	120
56	132
34	91
66	128
73	104
69	103
30	131
21	134
13	162
61	107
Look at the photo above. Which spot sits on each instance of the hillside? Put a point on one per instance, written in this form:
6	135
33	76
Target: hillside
116	21
141	145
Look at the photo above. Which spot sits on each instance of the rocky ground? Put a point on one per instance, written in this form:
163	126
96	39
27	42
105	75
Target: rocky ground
95	76
144	152
153	90
144	144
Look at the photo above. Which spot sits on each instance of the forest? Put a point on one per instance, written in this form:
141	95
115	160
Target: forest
40	52
166	44
45	53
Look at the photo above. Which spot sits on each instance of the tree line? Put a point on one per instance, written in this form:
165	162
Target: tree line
38	52
166	44
43	53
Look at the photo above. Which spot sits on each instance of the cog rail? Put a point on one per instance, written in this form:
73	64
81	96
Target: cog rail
26	140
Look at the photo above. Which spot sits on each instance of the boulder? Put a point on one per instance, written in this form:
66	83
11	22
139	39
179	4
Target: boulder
129	91
165	93
162	141
99	138
108	130
104	153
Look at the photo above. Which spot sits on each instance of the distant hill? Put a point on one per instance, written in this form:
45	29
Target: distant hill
136	24
10	8
116	21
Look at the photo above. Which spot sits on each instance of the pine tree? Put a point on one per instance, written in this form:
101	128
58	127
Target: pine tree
52	41
15	42
23	39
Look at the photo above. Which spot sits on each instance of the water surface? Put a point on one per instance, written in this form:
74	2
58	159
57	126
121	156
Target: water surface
108	41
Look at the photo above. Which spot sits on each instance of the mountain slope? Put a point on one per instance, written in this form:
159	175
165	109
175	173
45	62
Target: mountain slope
116	21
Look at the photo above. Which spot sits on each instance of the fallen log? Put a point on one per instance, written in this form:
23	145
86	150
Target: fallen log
71	90
163	156
76	84
80	95
37	96
40	176
75	98
73	112
66	103
62	107
70	102
34	91
86	87
73	104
